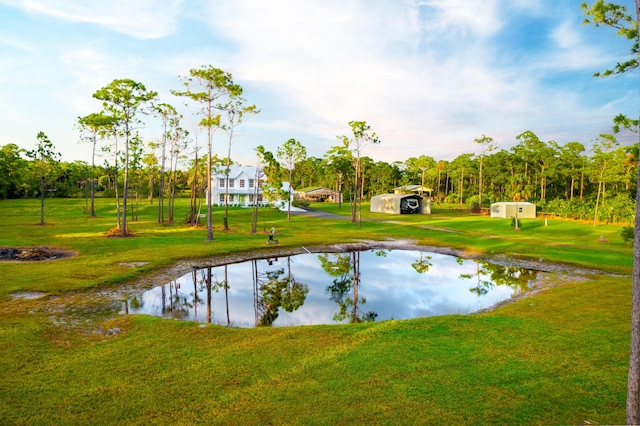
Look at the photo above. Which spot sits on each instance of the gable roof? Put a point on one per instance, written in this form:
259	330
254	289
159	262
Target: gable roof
236	171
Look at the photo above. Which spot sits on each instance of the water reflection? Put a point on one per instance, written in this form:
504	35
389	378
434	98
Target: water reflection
346	286
273	291
334	288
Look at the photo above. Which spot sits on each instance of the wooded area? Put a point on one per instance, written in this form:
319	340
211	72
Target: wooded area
565	180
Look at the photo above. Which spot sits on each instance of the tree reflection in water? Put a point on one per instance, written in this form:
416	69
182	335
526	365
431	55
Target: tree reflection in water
399	284
488	275
422	265
346	267
273	291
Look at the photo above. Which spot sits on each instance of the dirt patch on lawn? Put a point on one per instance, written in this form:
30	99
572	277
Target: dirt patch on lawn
34	254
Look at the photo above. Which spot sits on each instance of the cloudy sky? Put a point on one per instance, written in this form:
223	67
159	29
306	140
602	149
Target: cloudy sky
429	76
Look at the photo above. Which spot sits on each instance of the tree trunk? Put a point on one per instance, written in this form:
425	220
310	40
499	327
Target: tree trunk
209	194
125	189
480	187
226	197
289	195
116	185
256	203
355	192
356	284
572	185
42	200
208	284
460	187
226	294
633	382
93	177
340	190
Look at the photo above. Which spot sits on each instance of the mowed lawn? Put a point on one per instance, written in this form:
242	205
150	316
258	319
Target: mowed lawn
559	357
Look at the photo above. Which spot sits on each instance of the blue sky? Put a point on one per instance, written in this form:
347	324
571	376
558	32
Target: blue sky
429	76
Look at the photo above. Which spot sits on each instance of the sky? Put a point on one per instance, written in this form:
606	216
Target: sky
428	76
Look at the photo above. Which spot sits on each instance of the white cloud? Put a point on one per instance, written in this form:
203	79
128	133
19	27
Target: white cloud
429	76
458	16
145	19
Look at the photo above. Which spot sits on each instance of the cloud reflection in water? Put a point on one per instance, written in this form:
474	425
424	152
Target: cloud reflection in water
392	287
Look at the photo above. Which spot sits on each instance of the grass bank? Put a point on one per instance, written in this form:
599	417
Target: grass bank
559	357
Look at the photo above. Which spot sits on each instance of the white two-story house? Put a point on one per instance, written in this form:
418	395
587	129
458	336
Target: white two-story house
242	186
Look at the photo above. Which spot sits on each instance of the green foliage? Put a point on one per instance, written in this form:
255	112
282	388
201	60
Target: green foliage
516	223
615	16
628	234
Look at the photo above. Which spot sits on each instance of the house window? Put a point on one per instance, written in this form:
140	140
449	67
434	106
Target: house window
259	198
221	183
251	198
519	209
222	198
251	183
231	183
241	183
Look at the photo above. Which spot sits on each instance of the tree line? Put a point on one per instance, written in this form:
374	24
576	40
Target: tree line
565	180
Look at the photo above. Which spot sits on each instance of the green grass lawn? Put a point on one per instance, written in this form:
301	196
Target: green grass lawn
559	357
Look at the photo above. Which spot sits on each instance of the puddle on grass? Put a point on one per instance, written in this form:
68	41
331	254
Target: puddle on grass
333	288
28	295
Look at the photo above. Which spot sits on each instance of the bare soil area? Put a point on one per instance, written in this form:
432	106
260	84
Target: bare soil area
34	254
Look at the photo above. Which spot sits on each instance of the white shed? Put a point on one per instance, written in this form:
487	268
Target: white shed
508	209
399	204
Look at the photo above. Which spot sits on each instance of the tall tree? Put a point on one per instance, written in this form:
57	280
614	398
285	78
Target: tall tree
338	163
91	127
488	146
289	154
168	116
420	164
617	17
236	112
362	136
177	137
206	86
518	191
268	169
44	156
124	99
572	161
458	167
602	161
12	169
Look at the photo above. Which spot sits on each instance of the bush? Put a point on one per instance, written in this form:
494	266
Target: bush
300	203
628	234
513	223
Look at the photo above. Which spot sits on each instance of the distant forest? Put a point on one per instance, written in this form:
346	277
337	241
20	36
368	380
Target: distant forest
562	180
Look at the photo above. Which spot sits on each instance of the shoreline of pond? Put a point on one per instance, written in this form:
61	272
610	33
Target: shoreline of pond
555	274
568	273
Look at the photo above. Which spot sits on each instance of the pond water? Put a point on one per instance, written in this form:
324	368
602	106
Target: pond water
333	288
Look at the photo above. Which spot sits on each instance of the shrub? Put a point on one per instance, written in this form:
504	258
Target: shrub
513	222
628	234
300	203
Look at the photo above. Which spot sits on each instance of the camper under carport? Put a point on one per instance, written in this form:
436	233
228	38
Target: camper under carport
398	204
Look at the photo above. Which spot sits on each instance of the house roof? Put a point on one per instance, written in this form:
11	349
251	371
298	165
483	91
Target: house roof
393	196
412	188
513	203
236	171
317	190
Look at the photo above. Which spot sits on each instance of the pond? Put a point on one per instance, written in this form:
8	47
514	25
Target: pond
333	288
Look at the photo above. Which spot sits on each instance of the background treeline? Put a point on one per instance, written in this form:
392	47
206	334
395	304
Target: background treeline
564	180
